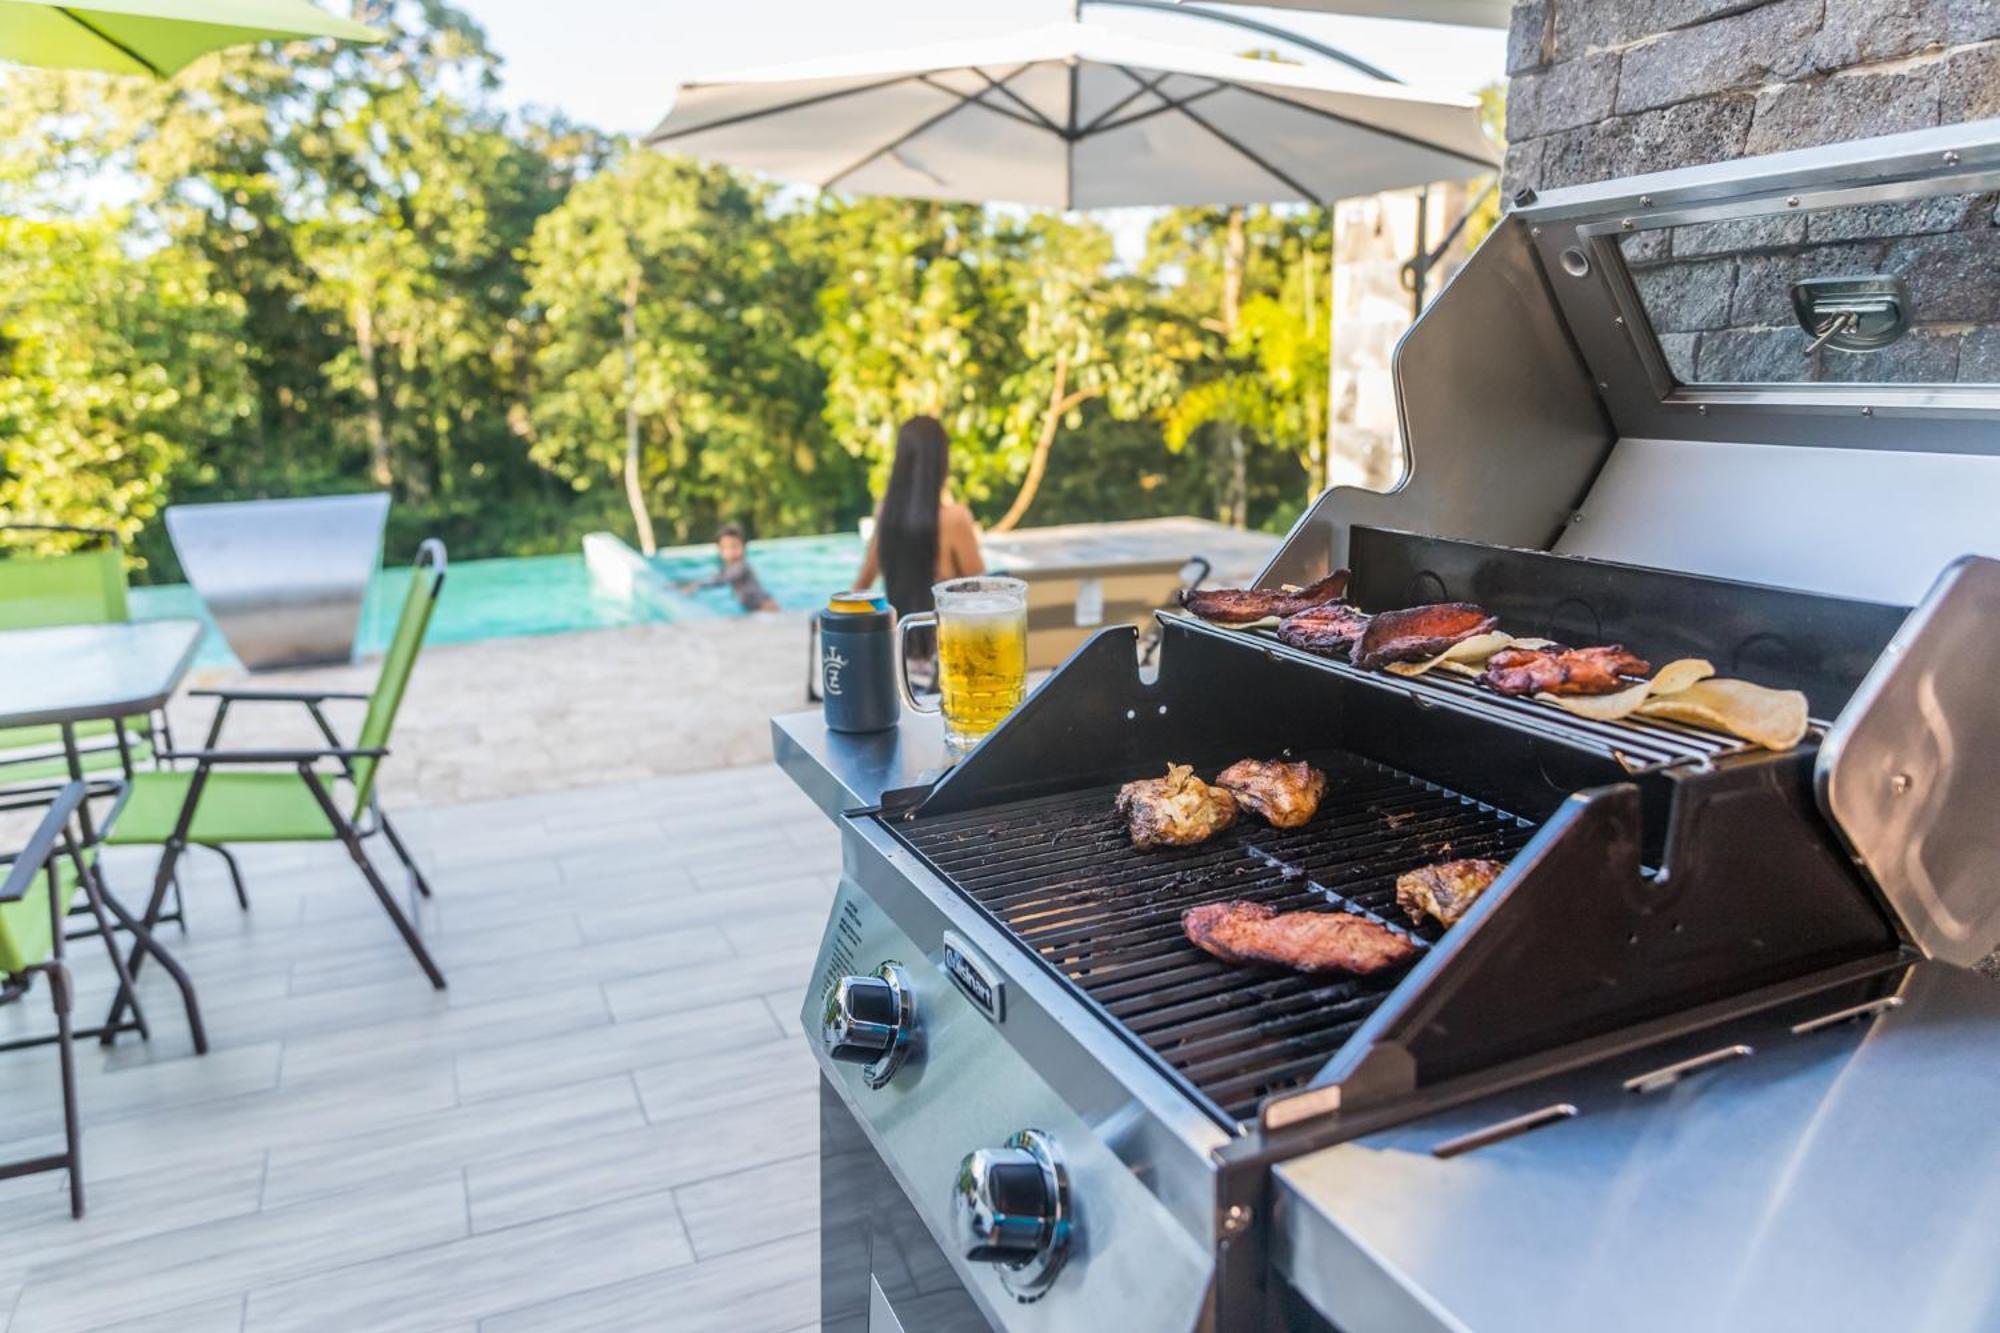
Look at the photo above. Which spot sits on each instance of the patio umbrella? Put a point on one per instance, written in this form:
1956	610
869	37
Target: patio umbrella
1077	116
155	37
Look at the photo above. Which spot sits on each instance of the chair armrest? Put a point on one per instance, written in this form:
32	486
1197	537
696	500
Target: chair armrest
296	756
30	860
276	696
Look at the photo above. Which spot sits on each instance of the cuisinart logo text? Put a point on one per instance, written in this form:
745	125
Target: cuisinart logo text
975	978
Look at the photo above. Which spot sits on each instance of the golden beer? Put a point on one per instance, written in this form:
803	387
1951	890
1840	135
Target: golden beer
982	640
982	669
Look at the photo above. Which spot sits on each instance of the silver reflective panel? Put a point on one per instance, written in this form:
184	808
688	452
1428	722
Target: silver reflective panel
283	579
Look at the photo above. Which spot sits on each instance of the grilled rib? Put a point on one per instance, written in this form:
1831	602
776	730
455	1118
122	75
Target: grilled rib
1334	627
1446	891
1419	632
1240	606
1286	795
1562	671
1178	810
1242	932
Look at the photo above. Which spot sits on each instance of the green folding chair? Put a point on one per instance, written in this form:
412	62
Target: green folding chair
41	881
85	586
237	796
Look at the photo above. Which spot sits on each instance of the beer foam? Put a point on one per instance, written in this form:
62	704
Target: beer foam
981	607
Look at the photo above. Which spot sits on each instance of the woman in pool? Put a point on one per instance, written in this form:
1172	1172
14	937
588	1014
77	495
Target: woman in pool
922	535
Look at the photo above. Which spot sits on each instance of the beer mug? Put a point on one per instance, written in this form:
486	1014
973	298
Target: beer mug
982	640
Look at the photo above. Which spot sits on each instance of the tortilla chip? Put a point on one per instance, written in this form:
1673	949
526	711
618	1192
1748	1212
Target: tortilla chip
1774	719
1465	652
1672	679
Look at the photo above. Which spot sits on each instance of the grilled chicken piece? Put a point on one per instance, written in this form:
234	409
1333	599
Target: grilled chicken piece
1240	606
1286	795
1178	810
1562	671
1332	628
1419	632
1446	891
1240	932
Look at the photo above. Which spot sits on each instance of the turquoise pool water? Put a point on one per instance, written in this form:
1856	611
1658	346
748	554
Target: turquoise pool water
506	598
799	571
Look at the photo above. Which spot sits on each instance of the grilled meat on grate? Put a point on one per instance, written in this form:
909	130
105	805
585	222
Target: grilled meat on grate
1286	795
1178	810
1240	932
1331	628
1241	606
1419	632
1562	671
1446	891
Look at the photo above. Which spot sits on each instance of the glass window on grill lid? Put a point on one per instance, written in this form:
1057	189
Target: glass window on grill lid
1897	292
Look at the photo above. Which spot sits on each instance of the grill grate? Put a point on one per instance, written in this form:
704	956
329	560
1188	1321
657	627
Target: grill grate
1060	874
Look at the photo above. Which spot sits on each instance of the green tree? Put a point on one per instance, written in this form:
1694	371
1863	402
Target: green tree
114	368
1250	286
669	299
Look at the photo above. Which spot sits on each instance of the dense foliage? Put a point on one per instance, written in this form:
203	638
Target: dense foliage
312	268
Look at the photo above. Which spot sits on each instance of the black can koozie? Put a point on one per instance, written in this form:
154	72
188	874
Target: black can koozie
857	663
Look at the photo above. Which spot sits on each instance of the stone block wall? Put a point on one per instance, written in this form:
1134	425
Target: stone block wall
1604	88
1608	88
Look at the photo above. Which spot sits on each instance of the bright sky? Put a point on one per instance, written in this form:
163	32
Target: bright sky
614	63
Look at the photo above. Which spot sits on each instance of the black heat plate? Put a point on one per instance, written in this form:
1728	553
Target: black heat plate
1060	874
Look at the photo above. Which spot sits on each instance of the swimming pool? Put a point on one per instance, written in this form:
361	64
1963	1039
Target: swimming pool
555	594
799	571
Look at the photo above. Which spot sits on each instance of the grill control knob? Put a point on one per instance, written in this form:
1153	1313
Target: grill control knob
1011	1206
868	1021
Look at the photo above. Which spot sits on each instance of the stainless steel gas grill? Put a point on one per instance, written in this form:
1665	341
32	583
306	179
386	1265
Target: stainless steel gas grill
1044	1108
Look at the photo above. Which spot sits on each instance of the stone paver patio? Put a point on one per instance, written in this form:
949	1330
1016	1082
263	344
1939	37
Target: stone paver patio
510	717
608	1121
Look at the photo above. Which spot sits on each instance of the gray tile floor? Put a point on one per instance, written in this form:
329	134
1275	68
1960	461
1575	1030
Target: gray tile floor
606	1123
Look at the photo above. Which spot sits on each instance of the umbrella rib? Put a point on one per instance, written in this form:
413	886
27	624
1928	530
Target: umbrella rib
658	136
110	41
1000	86
1244	149
1350	121
921	127
980	101
1164	108
1145	86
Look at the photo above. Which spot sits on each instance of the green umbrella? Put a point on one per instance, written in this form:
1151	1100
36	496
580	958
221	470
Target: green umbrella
155	37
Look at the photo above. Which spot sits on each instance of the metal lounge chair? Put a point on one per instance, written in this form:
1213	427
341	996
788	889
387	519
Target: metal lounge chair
237	796
41	881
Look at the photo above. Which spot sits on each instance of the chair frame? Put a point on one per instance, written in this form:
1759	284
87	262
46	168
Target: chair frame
369	818
52	842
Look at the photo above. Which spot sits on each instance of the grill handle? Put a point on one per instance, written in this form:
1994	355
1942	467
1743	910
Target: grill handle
904	626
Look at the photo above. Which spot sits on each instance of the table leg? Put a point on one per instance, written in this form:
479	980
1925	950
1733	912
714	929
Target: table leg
75	757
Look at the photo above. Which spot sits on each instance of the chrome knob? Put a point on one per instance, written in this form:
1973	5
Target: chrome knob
1011	1208
868	1021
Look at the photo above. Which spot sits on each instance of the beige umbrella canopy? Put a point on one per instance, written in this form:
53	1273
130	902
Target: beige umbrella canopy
1078	116
155	37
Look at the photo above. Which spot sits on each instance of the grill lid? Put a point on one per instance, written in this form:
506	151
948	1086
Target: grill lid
1910	773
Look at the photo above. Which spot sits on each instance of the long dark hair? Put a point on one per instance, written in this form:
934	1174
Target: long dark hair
906	531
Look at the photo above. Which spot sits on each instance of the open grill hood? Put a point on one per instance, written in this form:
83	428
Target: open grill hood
1542	409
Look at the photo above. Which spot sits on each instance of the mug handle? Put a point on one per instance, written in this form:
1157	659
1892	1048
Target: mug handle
914	621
